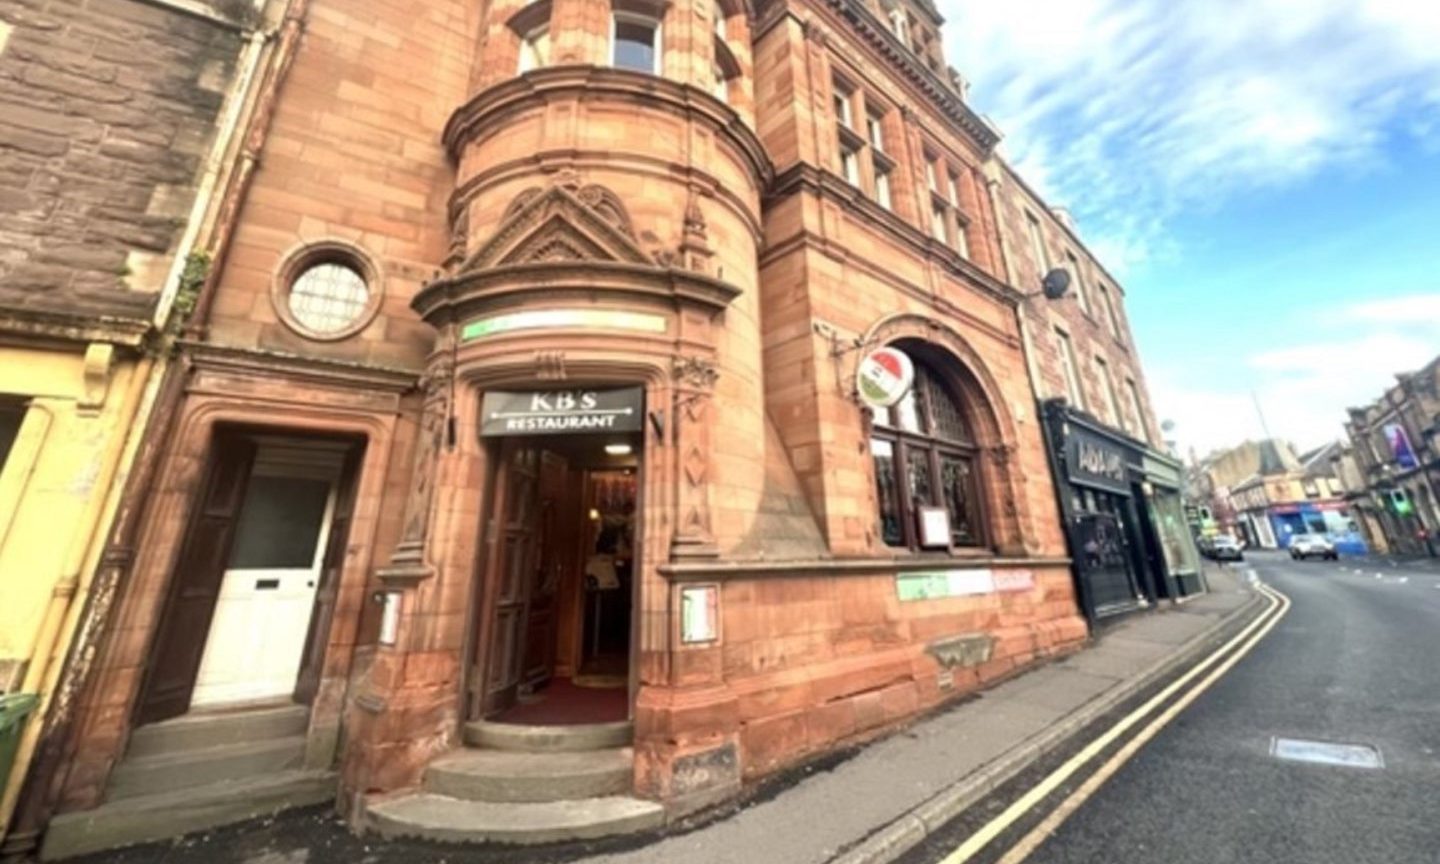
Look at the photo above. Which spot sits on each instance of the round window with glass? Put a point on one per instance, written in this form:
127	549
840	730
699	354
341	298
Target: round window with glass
327	296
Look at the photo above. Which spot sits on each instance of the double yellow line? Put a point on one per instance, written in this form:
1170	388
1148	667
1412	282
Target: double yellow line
1226	656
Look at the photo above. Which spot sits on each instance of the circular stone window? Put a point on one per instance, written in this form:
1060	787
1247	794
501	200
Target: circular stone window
327	292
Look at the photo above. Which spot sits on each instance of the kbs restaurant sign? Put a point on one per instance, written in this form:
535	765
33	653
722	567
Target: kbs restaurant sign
884	377
561	412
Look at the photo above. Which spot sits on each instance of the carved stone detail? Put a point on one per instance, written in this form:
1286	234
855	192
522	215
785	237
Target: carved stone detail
696	372
550	365
695	251
566	221
434	414
1001	454
695	379
459	235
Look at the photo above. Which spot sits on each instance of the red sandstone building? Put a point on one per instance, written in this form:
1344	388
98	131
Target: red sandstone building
520	414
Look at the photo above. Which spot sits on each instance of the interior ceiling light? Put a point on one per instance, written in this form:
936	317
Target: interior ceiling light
618	449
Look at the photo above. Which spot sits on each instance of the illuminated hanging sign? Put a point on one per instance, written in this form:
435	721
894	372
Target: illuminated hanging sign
1399	441
884	377
561	412
535	319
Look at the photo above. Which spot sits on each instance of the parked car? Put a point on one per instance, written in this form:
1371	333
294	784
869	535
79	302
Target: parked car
1304	546
1223	547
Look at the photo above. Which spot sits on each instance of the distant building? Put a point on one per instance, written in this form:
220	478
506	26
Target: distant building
1396	457
1266	494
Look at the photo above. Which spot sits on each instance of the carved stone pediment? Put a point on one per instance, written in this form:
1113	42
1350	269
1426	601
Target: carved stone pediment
564	222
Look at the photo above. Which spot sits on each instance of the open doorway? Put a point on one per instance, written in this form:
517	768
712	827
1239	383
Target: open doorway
560	580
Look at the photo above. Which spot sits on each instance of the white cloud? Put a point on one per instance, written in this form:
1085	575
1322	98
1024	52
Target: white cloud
1346	357
1129	110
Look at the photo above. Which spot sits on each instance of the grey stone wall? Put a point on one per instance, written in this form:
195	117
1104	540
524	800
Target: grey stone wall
107	108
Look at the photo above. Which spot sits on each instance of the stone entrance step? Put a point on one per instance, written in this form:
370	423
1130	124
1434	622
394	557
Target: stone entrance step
549	739
453	820
170	770
525	784
516	776
218	728
148	818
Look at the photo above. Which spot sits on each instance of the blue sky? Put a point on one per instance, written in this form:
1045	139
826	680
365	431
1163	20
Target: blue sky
1262	175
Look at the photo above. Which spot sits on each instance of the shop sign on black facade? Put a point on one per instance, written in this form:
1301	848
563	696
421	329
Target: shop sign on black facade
561	412
1094	461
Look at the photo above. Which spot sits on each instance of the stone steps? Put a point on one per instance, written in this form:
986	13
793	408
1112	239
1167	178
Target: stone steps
549	739
162	816
524	785
196	772
515	776
169	770
454	820
216	729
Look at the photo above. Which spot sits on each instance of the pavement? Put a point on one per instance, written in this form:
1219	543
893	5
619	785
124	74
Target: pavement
1352	662
867	804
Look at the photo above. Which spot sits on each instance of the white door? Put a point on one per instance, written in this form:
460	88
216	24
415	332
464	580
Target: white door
257	635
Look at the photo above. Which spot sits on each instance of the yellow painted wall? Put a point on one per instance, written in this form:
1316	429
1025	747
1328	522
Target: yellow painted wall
53	482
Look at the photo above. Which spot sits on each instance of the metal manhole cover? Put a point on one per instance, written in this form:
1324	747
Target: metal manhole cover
1326	753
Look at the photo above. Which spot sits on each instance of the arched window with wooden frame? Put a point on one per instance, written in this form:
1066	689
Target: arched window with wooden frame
926	461
531	27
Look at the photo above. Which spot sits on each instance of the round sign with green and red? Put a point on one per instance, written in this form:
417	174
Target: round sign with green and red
884	377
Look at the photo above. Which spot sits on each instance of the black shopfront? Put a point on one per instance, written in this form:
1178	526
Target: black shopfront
1099	478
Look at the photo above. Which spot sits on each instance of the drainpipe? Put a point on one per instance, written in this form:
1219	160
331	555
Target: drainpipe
287	45
155	394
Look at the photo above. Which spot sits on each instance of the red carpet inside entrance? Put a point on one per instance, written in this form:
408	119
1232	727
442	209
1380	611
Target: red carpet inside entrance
562	703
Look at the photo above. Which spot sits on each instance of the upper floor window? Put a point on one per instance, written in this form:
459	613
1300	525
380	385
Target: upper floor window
531	27
881	165
900	24
1069	369
925	459
875	132
327	291
1107	392
726	69
849	141
1082	296
535	48
947	223
1037	243
329	297
1132	393
718	12
1112	317
844	105
636	42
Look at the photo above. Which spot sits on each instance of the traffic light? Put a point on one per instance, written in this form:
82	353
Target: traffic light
1401	502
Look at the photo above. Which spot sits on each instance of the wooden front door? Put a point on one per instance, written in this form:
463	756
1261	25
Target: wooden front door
553	544
195	586
510	564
